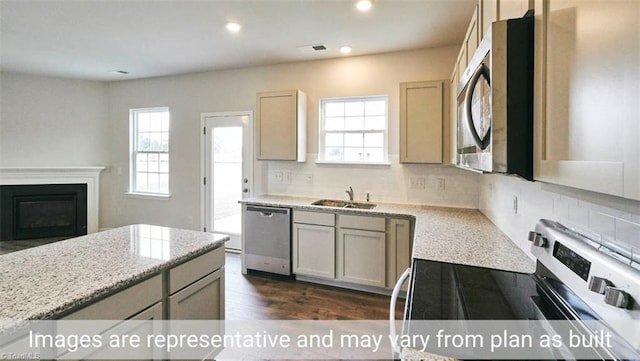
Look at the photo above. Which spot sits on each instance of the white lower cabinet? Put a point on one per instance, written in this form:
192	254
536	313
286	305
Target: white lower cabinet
361	257
196	288
196	292
314	244
202	300
140	302
153	313
350	250
398	249
362	250
314	250
124	304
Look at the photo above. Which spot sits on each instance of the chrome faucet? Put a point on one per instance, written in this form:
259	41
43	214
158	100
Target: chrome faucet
350	193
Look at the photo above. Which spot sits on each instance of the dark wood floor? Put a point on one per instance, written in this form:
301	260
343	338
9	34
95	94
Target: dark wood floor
262	297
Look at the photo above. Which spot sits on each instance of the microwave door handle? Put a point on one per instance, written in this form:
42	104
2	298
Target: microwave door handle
480	70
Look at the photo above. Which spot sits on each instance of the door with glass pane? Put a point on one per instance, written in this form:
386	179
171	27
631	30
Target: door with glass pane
227	171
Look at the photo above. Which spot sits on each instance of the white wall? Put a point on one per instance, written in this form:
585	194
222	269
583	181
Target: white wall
188	96
600	216
46	121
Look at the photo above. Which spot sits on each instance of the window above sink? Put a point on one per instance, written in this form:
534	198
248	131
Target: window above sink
353	130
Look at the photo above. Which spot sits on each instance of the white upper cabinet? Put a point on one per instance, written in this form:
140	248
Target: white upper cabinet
587	95
472	37
488	14
511	9
421	122
494	10
281	125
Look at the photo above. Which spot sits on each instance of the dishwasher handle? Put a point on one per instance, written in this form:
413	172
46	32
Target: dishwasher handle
268	211
392	305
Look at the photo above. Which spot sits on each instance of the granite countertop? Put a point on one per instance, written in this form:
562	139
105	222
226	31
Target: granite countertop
42	282
452	235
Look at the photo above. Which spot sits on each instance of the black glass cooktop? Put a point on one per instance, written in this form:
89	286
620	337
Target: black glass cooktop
444	291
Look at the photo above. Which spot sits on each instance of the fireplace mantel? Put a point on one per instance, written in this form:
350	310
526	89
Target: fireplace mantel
60	175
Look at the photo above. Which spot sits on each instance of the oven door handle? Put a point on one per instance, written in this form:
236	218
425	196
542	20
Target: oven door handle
544	319
392	305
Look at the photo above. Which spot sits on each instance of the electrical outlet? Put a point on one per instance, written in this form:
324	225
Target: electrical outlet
417	183
278	177
288	177
441	184
308	178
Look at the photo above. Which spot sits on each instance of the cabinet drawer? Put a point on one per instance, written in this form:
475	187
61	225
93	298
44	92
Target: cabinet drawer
321	219
203	300
123	304
361	222
191	271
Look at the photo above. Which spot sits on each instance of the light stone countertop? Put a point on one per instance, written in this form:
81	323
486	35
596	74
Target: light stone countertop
452	235
42	282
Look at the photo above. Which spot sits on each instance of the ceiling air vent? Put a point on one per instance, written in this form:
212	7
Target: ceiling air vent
312	48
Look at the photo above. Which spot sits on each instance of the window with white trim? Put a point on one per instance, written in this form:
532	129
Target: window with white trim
149	163
353	130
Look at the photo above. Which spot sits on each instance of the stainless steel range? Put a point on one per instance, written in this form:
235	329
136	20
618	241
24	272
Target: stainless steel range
588	280
576	279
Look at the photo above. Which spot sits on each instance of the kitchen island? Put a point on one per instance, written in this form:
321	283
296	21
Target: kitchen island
56	280
452	235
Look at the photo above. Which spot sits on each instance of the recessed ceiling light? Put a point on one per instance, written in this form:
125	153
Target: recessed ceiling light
364	5
345	49
233	26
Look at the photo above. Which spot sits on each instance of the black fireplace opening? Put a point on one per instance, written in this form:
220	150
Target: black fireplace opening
42	211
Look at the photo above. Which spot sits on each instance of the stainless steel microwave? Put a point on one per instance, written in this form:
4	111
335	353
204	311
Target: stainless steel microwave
495	102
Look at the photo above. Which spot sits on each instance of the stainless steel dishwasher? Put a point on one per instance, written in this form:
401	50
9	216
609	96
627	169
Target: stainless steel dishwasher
267	242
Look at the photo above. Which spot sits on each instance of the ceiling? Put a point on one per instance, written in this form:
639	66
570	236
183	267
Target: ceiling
87	39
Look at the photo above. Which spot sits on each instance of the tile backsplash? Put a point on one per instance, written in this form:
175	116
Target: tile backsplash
394	183
511	203
515	206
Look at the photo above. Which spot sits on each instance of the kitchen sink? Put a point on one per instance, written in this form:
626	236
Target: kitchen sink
342	204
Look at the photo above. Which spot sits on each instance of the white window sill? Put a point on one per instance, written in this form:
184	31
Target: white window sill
159	196
377	164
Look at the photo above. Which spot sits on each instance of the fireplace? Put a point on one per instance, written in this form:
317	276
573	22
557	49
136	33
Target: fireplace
42	211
